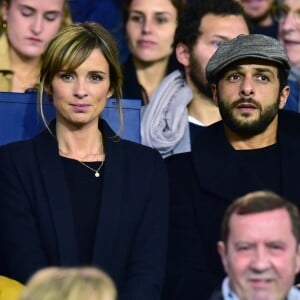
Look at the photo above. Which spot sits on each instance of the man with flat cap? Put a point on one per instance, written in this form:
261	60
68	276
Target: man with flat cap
256	146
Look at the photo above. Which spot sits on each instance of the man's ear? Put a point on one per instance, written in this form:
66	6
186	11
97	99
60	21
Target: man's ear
221	247
283	96
213	87
183	54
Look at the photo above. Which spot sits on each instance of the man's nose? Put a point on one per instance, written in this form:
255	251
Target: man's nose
247	87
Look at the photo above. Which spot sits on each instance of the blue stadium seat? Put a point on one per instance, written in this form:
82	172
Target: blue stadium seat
20	118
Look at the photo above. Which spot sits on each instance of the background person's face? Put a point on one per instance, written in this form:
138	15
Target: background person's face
215	31
31	24
150	29
289	30
261	256
257	9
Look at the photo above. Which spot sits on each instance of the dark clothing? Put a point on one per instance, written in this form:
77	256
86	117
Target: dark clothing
217	296
131	86
271	30
37	225
195	131
108	13
202	185
85	195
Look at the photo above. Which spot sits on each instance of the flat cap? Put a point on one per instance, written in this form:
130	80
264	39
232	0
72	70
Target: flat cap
246	46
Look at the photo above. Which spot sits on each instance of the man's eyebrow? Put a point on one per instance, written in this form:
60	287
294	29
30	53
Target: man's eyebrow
223	37
258	69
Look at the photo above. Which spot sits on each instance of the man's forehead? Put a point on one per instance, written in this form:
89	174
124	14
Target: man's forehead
276	218
255	62
221	23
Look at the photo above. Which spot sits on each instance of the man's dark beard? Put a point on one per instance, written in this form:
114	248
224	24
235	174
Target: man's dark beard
244	128
195	71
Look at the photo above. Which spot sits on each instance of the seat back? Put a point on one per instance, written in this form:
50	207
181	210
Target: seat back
20	119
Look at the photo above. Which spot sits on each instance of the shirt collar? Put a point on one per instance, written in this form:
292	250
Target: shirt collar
228	294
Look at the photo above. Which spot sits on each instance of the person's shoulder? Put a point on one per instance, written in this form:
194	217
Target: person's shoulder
173	159
16	147
289	120
217	295
137	150
180	163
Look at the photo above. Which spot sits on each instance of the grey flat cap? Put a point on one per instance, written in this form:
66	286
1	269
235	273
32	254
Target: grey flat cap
246	46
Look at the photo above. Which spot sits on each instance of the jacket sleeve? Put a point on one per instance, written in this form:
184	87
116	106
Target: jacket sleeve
21	252
146	267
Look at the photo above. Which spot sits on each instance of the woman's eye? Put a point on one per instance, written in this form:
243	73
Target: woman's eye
95	77
66	77
51	16
26	12
161	20
137	18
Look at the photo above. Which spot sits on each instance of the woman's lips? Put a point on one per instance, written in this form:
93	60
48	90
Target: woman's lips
80	107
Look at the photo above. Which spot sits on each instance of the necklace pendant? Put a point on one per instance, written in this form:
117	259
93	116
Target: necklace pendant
97	174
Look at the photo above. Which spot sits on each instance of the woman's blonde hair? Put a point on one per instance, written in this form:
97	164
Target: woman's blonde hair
66	20
71	47
81	283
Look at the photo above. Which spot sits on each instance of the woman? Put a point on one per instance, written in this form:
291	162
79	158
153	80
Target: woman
27	27
150	28
84	283
80	195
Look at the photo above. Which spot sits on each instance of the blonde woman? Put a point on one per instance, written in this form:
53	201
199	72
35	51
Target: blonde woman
26	27
79	194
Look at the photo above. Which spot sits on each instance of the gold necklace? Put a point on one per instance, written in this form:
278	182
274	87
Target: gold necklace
97	174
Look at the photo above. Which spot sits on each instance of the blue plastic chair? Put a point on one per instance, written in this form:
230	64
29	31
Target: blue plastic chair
20	118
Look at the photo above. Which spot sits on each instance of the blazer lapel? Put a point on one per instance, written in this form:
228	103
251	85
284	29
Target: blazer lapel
58	197
112	195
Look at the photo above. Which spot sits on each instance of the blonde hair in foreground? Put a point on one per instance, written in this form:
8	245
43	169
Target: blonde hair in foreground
82	283
70	48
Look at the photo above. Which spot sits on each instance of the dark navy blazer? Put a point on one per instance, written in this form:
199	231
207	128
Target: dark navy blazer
36	225
202	185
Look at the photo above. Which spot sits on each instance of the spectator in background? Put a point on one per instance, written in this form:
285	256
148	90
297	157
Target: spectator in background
289	36
262	16
88	196
260	248
182	104
82	283
26	29
149	28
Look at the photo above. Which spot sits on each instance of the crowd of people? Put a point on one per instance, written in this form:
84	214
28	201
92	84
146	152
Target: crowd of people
207	205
